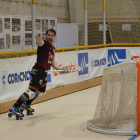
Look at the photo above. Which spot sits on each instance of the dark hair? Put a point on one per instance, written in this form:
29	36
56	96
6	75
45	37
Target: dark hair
51	30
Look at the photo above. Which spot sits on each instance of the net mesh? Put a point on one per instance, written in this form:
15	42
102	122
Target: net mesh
122	17
95	19
123	20
49	8
116	108
66	11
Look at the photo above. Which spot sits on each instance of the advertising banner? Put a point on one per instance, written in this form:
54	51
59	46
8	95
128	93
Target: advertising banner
133	53
15	73
92	63
15	76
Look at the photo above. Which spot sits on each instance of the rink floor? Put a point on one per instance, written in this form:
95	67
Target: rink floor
62	118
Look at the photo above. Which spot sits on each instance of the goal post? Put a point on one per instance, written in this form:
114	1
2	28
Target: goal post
138	98
118	108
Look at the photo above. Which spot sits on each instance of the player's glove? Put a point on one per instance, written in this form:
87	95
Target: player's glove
38	35
65	70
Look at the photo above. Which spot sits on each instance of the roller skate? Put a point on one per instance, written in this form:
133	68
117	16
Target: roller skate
14	111
27	107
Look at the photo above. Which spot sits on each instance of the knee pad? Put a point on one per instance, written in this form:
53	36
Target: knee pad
41	94
31	94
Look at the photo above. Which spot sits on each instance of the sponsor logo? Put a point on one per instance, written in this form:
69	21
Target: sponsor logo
4	79
135	57
14	78
41	81
49	62
83	63
48	79
69	67
19	77
31	95
99	62
92	63
116	56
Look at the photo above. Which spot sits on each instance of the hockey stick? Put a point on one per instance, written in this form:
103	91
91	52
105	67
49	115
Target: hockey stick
79	69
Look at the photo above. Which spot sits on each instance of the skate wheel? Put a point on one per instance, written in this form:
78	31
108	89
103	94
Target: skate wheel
29	113
21	118
21	110
9	115
17	117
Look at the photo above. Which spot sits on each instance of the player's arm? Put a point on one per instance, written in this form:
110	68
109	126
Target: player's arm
55	65
39	40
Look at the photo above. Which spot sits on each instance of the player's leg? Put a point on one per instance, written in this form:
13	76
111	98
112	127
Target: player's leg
40	81
26	104
15	109
42	90
37	75
30	101
30	94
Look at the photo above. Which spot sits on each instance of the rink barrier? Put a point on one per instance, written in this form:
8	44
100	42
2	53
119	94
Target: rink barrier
57	92
53	93
22	53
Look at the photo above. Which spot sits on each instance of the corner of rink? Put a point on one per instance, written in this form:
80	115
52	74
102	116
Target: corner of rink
57	92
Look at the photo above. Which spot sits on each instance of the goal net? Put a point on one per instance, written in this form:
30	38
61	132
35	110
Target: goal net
116	110
123	20
16	23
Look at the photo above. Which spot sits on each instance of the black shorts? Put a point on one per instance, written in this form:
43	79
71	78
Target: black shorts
38	76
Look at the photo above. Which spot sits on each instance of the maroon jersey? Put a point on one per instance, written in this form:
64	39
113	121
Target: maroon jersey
45	55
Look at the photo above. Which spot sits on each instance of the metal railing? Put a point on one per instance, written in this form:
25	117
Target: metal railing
13	54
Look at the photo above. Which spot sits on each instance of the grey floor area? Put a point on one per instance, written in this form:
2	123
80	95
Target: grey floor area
62	118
